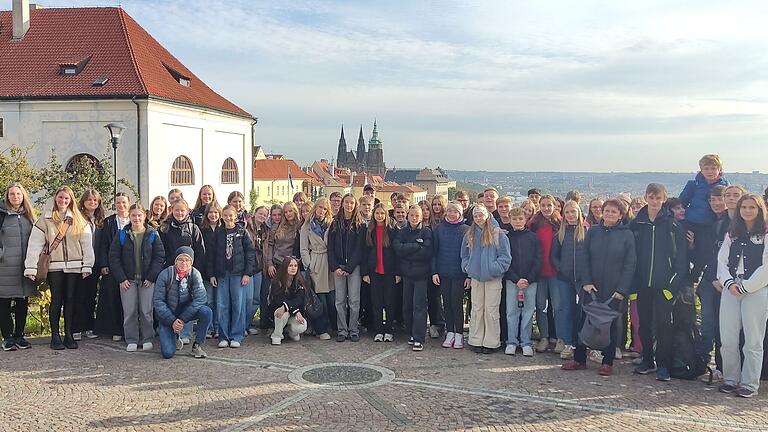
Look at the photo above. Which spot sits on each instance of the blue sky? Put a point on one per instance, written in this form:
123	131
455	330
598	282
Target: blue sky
495	85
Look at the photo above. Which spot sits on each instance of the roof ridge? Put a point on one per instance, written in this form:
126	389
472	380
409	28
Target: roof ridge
135	65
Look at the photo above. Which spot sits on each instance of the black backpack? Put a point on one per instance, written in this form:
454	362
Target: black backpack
686	363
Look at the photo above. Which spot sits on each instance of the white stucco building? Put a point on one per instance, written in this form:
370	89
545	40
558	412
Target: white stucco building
68	72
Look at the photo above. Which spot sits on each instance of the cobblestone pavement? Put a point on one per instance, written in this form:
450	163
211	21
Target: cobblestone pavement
301	386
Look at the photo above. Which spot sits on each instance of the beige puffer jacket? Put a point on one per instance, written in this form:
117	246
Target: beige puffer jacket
73	255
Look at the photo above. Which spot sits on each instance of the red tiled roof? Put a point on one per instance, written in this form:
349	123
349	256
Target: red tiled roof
277	169
119	49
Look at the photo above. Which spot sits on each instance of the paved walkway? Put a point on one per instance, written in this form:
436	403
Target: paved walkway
328	386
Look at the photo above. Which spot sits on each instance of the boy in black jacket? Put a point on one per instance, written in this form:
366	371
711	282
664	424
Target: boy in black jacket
661	272
521	284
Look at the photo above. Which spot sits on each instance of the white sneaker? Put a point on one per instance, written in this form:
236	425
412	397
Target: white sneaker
91	335
117	338
77	336
458	342
567	352
234	344
596	356
378	338
185	340
276	340
717	376
559	346
147	346
223	344
542	345
510	350
132	348
434	331
296	338
528	351
179	345
388	337
324	336
450	337
618	354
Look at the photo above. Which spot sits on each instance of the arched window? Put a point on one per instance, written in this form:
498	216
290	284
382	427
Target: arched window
182	172
82	161
229	174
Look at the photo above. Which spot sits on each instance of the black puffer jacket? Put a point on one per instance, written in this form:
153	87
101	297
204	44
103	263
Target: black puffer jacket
661	247
122	261
526	257
346	242
209	240
610	260
413	247
292	298
243	254
368	266
176	234
567	257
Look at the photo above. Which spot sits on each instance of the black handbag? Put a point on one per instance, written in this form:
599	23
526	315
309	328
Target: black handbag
313	307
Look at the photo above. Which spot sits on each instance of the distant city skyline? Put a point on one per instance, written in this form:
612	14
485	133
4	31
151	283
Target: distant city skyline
499	85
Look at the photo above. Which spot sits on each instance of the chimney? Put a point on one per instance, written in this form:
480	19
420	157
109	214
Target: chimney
20	18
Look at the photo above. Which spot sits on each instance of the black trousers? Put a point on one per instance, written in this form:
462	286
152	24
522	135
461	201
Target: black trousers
366	317
382	294
655	313
435	305
13	326
415	308
63	286
85	304
109	313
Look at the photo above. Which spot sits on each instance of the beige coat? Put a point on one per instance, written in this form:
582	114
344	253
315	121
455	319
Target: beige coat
314	256
73	255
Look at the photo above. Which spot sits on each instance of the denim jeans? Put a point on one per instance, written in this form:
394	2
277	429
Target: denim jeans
546	292
168	336
229	303
565	308
252	299
520	319
329	313
210	292
348	294
748	313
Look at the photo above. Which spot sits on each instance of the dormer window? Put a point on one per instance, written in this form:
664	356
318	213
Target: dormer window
178	76
72	69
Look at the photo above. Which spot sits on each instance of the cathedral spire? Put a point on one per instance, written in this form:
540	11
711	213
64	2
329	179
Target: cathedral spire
342	153
375	142
360	146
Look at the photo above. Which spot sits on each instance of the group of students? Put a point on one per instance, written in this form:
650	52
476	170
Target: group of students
342	263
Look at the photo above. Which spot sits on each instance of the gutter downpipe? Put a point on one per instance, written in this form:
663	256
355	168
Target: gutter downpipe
138	145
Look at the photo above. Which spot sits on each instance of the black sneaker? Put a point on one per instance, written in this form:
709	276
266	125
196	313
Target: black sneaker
9	345
354	338
488	350
22	343
645	369
745	392
411	341
340	338
417	346
56	342
727	388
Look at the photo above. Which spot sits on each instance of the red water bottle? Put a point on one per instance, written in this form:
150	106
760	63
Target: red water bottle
520	298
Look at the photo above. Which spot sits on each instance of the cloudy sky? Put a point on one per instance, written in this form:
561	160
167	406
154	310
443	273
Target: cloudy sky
494	85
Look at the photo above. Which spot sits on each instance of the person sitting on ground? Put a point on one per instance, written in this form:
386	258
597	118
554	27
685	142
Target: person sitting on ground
286	301
180	298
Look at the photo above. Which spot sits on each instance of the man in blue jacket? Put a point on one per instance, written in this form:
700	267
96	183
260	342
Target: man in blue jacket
180	298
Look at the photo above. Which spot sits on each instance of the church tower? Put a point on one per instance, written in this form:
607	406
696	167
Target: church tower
361	153
341	157
375	157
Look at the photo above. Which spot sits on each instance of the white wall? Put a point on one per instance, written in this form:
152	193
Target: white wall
167	131
207	139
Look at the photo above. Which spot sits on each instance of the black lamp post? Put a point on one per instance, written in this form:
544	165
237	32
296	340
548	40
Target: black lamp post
115	131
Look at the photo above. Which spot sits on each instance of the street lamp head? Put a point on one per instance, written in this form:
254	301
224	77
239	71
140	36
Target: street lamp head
115	132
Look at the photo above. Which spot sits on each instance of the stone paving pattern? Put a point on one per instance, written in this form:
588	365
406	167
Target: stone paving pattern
101	387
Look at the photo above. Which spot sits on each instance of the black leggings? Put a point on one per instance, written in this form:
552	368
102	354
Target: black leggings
63	286
19	310
382	289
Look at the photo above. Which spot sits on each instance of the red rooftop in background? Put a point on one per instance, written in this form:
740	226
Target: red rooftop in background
115	47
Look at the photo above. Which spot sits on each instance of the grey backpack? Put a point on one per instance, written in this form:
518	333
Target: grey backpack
596	331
